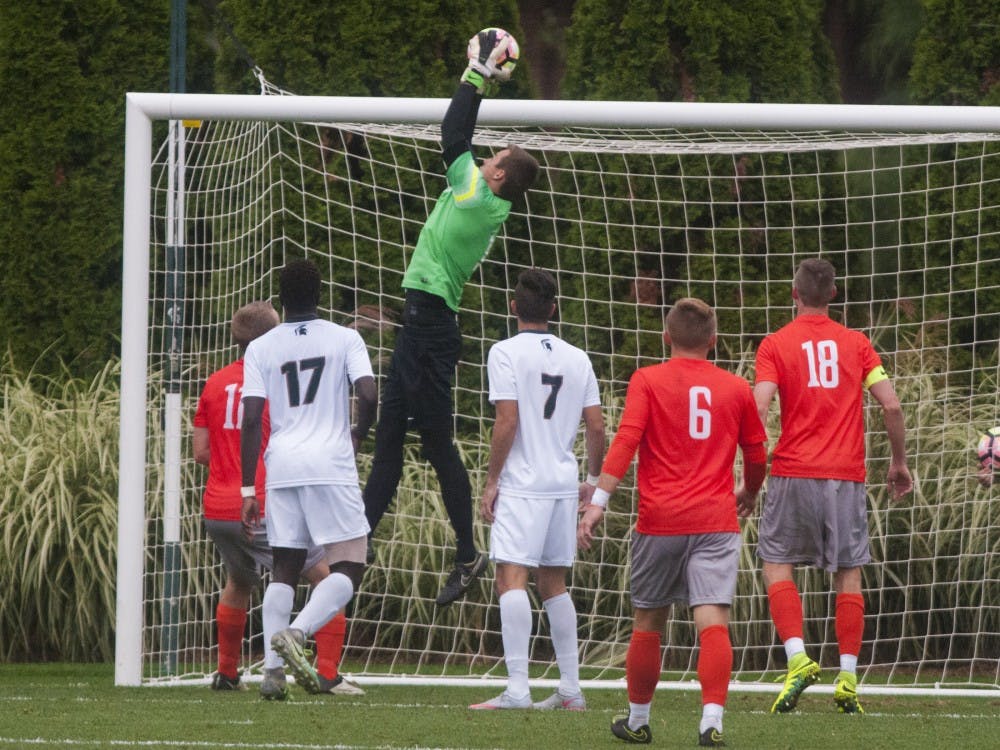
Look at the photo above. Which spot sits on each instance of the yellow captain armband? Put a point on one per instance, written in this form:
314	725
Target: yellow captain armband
875	376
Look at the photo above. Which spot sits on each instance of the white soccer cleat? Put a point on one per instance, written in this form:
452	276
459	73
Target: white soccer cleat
338	686
289	644
502	701
559	701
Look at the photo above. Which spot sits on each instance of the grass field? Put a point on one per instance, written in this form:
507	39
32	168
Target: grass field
77	706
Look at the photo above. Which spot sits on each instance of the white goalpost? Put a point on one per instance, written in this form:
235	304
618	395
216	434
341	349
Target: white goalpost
638	203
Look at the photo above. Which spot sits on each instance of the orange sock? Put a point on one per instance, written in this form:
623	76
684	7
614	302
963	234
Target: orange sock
642	666
715	664
786	609
850	622
330	645
230	624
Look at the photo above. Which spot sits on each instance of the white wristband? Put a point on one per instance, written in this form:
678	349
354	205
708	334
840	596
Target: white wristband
592	479
600	498
248	492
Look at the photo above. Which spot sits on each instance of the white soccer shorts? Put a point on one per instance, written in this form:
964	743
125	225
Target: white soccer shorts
534	532
299	517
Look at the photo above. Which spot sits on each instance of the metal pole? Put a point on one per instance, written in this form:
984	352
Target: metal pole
175	344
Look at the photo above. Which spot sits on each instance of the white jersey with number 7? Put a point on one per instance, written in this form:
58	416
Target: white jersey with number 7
552	382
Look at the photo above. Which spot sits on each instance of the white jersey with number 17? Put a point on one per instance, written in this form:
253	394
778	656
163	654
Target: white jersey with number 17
305	369
552	382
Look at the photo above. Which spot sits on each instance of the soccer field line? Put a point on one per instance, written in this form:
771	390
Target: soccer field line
873	714
396	705
73	742
619	684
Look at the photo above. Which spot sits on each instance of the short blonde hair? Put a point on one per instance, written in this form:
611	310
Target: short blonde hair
253	320
691	323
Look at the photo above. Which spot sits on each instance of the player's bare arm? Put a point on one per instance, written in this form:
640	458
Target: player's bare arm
504	430
200	445
250	439
754	471
367	407
592	515
594	439
898	478
763	393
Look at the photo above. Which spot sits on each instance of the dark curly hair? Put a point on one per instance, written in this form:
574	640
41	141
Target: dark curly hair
299	286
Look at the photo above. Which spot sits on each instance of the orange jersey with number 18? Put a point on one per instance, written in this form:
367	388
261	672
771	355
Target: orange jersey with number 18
821	368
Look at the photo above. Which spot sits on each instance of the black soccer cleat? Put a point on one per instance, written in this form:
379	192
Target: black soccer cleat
461	578
711	737
621	730
224	682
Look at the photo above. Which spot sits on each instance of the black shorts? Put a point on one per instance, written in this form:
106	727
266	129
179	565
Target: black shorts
422	370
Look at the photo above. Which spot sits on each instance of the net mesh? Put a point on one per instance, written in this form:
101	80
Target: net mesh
628	221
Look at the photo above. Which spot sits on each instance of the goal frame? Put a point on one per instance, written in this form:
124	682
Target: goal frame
143	109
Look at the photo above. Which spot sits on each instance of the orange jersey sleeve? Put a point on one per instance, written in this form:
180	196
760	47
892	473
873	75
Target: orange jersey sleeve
686	418
821	369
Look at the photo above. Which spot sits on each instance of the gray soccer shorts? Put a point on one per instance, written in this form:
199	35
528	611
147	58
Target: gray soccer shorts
692	569
818	522
244	560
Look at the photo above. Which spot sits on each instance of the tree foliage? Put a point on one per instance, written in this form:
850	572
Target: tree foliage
64	68
357	49
700	50
957	55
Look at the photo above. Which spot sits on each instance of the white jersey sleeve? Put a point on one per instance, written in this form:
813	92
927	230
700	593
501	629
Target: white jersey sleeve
359	364
500	371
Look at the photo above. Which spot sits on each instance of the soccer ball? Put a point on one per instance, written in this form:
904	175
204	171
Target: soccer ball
989	450
507	60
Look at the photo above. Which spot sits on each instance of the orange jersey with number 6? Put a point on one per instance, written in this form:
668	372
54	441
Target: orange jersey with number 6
686	417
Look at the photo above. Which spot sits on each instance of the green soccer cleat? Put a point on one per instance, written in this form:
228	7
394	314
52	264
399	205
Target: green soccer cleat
845	694
289	644
621	730
802	672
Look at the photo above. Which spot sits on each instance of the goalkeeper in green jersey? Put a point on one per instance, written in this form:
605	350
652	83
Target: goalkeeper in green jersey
417	392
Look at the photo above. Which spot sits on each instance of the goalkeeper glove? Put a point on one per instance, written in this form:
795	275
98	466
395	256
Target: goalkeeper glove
481	67
498	50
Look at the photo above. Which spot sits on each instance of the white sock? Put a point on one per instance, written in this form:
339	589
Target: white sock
794	647
562	626
711	716
515	628
638	714
327	598
849	663
276	610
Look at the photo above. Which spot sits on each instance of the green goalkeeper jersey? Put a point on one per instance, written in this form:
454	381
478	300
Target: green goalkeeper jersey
458	233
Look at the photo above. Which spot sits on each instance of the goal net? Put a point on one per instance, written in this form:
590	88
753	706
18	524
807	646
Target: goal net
628	219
